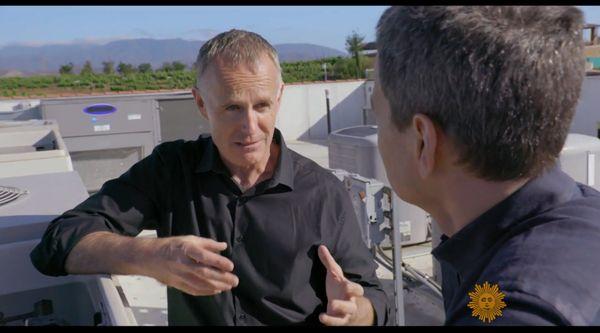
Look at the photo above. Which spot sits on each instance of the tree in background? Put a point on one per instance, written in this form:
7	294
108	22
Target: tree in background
87	68
125	69
354	44
66	69
145	68
166	66
108	67
178	66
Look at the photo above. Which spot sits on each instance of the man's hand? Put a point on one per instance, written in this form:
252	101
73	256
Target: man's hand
193	265
345	302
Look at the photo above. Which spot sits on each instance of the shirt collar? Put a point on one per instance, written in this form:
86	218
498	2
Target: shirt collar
463	249
210	160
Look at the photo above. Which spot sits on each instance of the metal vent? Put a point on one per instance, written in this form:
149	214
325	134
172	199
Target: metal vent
9	194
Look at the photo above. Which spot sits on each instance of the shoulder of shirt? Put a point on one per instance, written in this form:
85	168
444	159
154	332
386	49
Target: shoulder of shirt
170	151
305	168
555	260
590	197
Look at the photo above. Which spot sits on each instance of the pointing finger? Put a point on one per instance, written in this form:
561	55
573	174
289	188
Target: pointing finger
329	262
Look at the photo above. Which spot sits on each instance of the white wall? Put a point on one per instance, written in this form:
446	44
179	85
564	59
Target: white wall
303	109
303	113
587	114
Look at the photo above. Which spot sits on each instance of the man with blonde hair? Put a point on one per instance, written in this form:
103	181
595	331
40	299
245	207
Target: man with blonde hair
245	224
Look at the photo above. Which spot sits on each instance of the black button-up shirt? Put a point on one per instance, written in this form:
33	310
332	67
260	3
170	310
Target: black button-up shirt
540	245
272	231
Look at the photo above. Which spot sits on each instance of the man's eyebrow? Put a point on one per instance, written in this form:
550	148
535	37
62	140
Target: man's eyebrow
265	100
230	103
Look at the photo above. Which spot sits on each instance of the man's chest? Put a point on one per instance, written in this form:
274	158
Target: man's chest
268	232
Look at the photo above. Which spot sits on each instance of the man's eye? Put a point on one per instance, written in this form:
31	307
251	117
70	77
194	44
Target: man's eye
232	108
262	105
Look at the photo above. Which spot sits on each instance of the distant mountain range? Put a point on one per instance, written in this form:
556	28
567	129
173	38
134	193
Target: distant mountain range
48	59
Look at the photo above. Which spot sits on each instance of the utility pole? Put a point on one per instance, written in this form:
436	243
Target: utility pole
324	66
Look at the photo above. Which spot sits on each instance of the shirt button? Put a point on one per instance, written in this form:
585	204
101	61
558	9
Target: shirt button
243	316
239	239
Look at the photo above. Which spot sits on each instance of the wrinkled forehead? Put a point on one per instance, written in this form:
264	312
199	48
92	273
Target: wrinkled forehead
239	78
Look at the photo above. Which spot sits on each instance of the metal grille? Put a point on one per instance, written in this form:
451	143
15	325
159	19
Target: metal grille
9	194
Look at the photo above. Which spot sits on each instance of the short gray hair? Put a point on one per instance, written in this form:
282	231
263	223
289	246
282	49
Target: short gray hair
236	47
502	82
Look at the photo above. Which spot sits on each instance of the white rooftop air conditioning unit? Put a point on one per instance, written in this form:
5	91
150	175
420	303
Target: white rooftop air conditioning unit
105	135
82	300
354	149
32	147
20	109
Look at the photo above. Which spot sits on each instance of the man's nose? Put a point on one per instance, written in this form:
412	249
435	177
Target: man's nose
249	121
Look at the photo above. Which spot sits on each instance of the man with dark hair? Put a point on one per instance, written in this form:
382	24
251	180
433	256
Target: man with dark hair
473	106
245	224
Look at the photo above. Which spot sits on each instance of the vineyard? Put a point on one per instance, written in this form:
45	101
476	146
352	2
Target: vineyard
42	86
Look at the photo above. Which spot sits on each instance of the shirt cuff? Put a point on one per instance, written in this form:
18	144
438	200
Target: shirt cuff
50	255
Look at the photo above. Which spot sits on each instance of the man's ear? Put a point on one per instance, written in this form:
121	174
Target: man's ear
427	142
199	102
280	93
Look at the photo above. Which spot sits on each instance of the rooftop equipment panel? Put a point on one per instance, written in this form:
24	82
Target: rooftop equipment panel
32	147
105	136
354	149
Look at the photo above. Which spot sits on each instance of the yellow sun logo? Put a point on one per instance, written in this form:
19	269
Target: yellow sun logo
486	302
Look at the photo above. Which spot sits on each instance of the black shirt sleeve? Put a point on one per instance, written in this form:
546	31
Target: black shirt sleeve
125	205
357	262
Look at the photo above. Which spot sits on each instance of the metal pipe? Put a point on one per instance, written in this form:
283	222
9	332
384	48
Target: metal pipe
426	280
412	273
397	258
328	111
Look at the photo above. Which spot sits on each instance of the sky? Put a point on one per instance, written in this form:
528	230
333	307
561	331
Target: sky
327	26
322	25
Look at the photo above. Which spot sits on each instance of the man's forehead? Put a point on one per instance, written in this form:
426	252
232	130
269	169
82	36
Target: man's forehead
261	62
232	85
223	70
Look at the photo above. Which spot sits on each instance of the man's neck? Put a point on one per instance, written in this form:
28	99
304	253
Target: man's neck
464	198
247	177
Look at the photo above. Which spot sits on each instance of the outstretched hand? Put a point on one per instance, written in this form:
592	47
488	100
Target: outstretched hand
194	265
342	294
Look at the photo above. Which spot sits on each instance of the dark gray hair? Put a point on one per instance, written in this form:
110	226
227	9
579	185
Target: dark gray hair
235	47
502	82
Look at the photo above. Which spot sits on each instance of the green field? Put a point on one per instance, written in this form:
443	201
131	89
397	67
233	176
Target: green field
42	86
